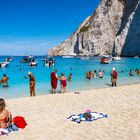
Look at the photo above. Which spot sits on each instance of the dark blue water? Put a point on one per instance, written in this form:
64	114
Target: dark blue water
19	86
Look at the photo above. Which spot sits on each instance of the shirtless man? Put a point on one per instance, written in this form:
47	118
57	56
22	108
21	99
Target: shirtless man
4	80
32	84
88	75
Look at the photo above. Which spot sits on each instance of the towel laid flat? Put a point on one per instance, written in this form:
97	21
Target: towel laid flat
91	116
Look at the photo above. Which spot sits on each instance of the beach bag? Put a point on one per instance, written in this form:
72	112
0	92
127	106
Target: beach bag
87	116
19	121
115	74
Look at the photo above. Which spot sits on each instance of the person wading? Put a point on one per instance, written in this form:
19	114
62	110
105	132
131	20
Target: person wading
54	79
31	84
114	76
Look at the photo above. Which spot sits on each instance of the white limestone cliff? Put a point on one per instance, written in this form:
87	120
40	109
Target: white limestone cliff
103	32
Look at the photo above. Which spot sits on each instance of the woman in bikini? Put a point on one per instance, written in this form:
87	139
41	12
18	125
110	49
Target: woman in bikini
5	115
63	83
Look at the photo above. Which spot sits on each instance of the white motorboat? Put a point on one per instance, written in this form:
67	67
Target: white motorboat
49	65
3	65
84	58
67	56
32	63
8	59
136	57
116	58
6	62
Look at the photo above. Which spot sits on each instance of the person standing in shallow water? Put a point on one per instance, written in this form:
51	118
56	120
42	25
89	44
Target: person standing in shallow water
4	80
63	83
31	84
54	79
114	76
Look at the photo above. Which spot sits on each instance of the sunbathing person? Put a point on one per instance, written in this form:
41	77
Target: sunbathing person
5	115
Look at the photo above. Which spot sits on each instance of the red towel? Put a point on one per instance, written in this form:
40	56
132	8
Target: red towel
19	121
53	80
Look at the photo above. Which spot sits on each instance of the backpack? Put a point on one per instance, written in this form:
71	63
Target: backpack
115	74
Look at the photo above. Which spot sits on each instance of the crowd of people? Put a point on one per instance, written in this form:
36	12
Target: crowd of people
63	79
133	72
100	74
89	74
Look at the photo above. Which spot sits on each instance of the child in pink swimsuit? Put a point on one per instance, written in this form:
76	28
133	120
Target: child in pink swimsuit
63	83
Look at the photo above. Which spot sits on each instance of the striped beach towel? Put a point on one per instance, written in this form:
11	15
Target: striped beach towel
81	117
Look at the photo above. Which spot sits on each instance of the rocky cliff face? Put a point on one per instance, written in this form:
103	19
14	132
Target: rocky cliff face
108	30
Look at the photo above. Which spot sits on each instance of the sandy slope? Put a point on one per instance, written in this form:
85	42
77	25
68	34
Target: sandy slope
46	115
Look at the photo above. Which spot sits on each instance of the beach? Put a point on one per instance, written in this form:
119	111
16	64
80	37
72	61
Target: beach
46	115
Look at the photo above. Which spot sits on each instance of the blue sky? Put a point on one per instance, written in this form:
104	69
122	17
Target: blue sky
33	26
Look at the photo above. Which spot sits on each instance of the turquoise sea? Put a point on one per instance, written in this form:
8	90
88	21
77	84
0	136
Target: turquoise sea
19	86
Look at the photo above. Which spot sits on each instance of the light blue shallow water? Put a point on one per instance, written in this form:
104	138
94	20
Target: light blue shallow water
19	87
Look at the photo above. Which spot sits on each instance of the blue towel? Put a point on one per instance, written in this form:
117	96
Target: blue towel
11	127
80	117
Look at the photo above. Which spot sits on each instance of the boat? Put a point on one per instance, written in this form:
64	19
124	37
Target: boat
67	56
8	59
84	58
6	62
44	58
33	62
116	58
136	57
105	60
26	59
3	64
49	63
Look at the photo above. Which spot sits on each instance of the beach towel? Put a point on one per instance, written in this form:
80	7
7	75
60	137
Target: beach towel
90	116
11	127
19	121
3	131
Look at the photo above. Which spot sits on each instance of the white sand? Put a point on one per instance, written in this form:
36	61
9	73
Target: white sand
46	115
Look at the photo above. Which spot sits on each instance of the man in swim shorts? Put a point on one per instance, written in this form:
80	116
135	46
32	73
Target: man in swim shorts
4	80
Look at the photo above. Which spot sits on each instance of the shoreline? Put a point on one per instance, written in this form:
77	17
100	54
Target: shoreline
69	92
46	115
